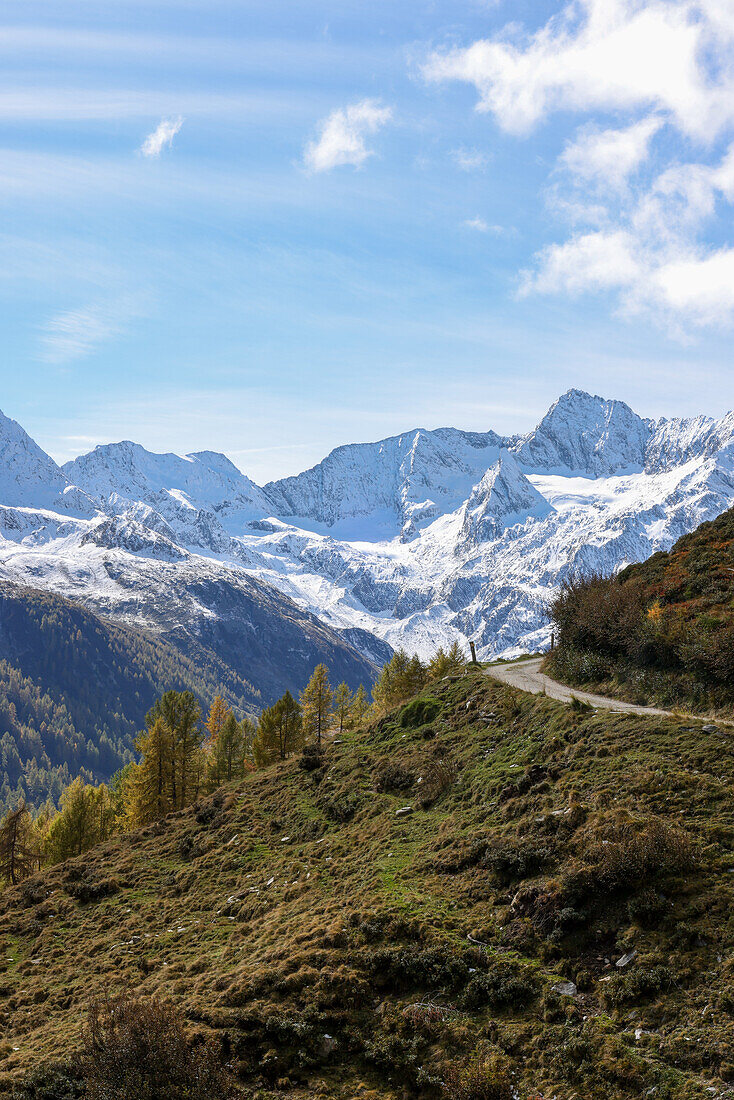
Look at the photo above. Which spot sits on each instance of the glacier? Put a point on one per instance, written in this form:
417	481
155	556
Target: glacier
414	541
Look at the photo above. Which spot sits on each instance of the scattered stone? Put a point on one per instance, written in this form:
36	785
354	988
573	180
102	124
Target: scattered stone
404	811
711	729
626	959
566	989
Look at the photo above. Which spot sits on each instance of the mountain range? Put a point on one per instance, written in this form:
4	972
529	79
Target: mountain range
415	540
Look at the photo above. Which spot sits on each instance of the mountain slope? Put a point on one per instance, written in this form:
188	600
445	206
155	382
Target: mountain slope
662	630
75	689
559	896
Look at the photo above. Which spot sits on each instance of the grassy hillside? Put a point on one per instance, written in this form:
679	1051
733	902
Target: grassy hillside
661	631
75	689
560	894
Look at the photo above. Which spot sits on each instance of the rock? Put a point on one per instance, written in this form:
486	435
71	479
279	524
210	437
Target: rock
566	989
626	959
404	811
328	1046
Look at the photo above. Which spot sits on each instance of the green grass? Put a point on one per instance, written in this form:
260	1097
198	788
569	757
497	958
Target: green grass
269	944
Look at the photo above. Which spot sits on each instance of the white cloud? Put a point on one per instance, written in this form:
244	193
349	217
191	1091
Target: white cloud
161	137
651	254
606	158
641	228
77	333
470	160
342	138
666	55
482	226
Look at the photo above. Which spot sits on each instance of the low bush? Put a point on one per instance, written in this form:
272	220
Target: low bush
480	1078
419	712
137	1047
500	988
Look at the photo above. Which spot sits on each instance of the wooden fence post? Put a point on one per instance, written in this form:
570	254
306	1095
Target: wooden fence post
473	653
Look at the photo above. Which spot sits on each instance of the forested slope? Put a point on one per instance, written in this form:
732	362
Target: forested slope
75	689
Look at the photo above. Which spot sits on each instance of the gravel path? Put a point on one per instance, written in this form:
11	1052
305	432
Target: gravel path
527	676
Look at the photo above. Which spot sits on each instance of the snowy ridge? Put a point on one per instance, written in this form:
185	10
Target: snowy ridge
414	540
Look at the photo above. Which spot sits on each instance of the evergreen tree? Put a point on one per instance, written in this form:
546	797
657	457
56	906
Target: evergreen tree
316	700
360	708
19	850
85	819
230	754
219	712
342	706
280	731
149	782
400	678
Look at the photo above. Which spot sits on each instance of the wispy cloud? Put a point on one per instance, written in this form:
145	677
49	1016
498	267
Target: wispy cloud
77	333
343	134
606	158
470	160
481	225
161	137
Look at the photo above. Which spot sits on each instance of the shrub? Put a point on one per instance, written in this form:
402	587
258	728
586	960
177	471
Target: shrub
510	861
481	1078
438	777
137	1047
499	988
391	775
629	852
58	1081
419	712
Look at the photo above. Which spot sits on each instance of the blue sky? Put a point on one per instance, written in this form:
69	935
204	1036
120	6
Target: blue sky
269	228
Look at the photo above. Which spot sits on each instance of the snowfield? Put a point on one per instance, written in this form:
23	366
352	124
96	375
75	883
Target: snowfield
418	539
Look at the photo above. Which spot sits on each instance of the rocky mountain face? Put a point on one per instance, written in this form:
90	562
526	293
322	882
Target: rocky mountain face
415	540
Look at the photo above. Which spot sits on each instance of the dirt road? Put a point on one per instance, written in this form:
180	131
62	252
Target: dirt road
527	676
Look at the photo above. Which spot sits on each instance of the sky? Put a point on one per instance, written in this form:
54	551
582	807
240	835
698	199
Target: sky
269	228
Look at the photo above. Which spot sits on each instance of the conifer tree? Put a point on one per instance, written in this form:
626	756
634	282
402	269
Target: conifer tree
219	712
181	713
85	819
279	732
400	678
149	786
230	753
316	700
19	850
342	706
360	708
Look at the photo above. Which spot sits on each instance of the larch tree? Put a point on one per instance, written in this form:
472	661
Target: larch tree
181	713
85	819
342	706
360	708
316	700
230	754
279	731
219	712
149	784
19	850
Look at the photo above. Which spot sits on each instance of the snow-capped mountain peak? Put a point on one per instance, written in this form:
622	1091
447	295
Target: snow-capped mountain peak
502	498
586	435
29	478
419	539
204	479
